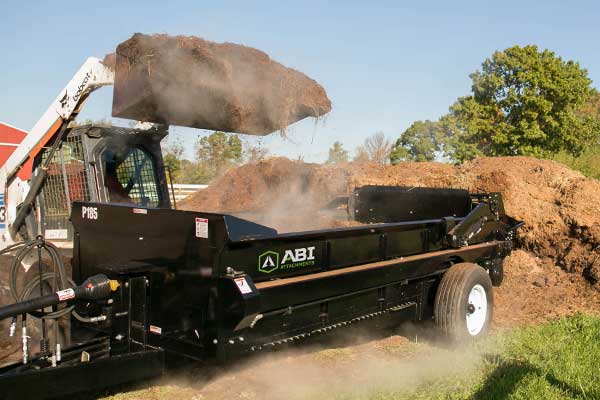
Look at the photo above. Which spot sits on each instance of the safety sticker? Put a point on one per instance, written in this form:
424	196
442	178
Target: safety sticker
140	211
202	228
242	285
65	294
156	329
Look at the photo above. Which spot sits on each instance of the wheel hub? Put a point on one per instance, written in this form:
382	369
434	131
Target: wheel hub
476	310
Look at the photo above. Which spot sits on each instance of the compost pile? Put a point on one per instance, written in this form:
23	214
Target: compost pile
560	207
189	81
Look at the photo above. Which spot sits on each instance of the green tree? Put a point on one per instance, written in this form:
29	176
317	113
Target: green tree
218	152
337	154
524	102
591	108
194	173
418	143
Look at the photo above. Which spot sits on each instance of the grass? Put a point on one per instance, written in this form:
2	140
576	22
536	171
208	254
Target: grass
558	360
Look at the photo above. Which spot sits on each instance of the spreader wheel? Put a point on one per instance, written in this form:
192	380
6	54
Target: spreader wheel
464	302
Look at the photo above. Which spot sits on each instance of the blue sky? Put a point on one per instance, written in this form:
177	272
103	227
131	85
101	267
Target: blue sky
384	64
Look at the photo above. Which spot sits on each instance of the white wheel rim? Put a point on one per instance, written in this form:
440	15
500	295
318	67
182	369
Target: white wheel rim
476	310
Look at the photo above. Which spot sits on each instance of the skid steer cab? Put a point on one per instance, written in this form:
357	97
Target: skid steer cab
103	164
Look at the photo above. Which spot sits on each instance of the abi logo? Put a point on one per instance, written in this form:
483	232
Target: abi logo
294	258
268	262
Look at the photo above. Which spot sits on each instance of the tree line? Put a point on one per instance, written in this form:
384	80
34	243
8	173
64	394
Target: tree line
523	101
213	155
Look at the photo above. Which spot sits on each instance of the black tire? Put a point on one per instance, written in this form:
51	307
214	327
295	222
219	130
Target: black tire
452	304
497	271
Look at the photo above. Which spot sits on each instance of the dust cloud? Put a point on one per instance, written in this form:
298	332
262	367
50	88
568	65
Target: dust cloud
363	367
297	208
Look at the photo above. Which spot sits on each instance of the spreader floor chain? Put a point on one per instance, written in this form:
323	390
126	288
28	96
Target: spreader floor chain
328	328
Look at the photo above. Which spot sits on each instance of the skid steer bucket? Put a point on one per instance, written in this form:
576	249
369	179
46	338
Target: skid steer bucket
192	82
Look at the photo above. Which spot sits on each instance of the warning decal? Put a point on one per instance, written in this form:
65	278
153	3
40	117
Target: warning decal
242	284
66	294
202	228
156	329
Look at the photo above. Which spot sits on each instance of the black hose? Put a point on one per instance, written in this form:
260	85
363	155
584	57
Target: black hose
29	306
63	282
54	254
29	289
97	287
48	277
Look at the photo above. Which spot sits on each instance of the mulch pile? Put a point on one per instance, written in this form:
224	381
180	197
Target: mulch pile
560	207
189	81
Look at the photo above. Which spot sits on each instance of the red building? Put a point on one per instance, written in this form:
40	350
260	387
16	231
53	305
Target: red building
10	137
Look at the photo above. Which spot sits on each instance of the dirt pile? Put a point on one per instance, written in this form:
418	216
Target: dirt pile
535	290
189	81
560	207
287	195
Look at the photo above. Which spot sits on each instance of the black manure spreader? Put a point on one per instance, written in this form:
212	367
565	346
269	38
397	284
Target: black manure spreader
150	285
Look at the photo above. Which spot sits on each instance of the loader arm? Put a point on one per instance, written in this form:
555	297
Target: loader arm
92	75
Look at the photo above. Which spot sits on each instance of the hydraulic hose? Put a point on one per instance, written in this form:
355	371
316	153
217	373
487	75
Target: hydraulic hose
59	272
29	306
58	276
96	287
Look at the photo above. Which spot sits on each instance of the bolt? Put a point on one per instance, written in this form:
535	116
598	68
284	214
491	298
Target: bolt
119	337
